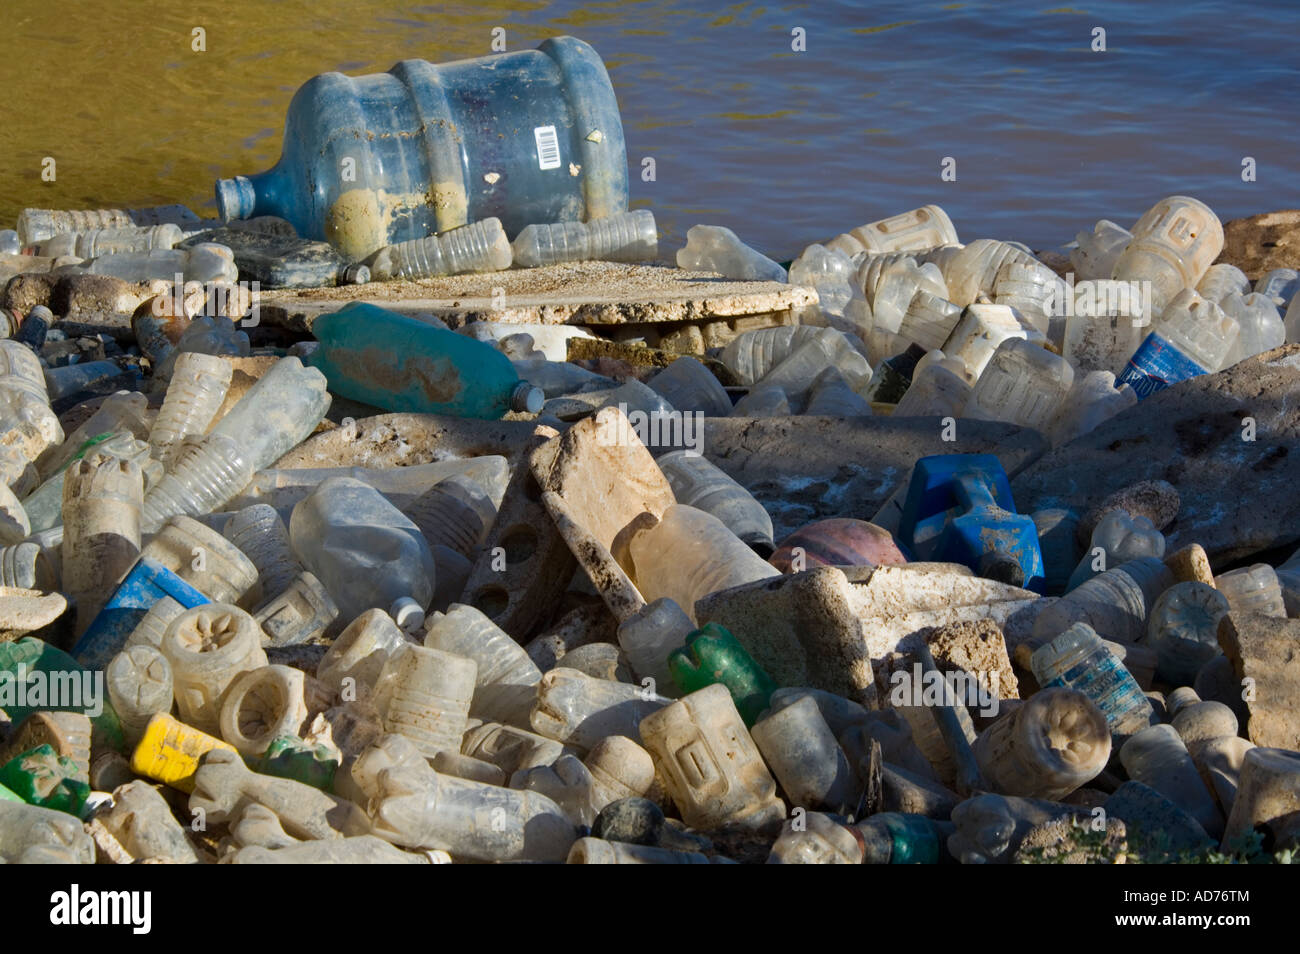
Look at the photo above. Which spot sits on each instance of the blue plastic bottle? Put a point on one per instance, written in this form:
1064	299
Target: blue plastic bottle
379	357
369	161
959	510
146	583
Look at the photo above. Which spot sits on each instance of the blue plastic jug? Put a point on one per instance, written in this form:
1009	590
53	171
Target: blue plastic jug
531	136
379	357
959	510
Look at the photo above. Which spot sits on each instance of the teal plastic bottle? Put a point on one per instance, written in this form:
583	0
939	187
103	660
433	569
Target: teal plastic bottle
527	136
379	357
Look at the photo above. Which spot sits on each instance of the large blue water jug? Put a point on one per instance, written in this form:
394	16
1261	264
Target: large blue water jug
531	136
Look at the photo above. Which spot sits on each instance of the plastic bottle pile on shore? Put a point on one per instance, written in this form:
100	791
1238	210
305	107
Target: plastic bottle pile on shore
212	658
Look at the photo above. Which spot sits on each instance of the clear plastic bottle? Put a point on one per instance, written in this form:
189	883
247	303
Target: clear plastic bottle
557	378
36	225
1055	743
1192	337
354	661
802	752
929	320
1279	286
751	355
1253	589
139	680
939	388
923	228
110	241
1078	659
689	386
597	851
891	288
648	636
712	248
798	372
424	695
209	647
831	273
1114	603
1261	327
625	237
478	247
206	334
1022	384
35	328
1156	756
194	395
365	551
276	414
44	506
974	269
207	262
456	513
23	394
1116	539
506	683
1099	250
414	806
1222	280
689	554
123	411
1173	245
94	376
1030	290
766	401
709	763
262	536
101	520
580	710
698	482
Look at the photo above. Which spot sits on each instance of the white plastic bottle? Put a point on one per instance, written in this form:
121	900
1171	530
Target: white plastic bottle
506	681
625	237
698	482
926	227
424	695
209	647
259	532
455	513
478	247
1193	337
1253	589
1173	245
1021	384
713	248
1261	326
139	680
1098	250
101	536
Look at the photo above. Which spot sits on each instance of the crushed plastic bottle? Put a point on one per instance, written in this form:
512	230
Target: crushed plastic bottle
713	248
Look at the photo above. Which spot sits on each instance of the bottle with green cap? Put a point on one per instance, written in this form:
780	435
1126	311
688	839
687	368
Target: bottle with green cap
712	654
44	778
291	757
37	677
902	838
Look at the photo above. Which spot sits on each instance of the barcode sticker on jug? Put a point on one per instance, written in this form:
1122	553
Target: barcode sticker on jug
548	147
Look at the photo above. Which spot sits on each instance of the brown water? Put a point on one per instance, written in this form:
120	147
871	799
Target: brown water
784	147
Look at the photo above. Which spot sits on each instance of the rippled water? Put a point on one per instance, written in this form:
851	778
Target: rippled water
785	147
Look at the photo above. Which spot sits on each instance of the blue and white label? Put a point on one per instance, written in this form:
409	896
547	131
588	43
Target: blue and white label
1155	366
548	147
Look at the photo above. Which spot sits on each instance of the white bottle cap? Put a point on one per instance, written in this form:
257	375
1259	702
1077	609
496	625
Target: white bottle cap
407	614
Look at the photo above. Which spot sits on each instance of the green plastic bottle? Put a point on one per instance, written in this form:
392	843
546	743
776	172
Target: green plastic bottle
44	778
37	677
379	357
712	654
7	796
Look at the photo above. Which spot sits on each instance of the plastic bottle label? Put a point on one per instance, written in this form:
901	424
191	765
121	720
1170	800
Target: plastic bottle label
548	147
1155	366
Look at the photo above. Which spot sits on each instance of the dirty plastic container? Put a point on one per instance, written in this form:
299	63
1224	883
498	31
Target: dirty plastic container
689	386
1115	603
139	681
699	483
23	394
1221	281
580	710
978	334
424	695
1261	327
1253	589
528	136
276	414
456	513
361	547
379	357
688	555
356	658
1022	384
506	684
109	241
1105	328
648	636
1056	742
208	648
709	763
1173	244
206	262
262	536
926	227
101	539
1094	399
194	395
1078	659
623	237
1117	539
477	247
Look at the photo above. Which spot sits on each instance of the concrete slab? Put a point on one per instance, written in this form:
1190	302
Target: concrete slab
595	293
